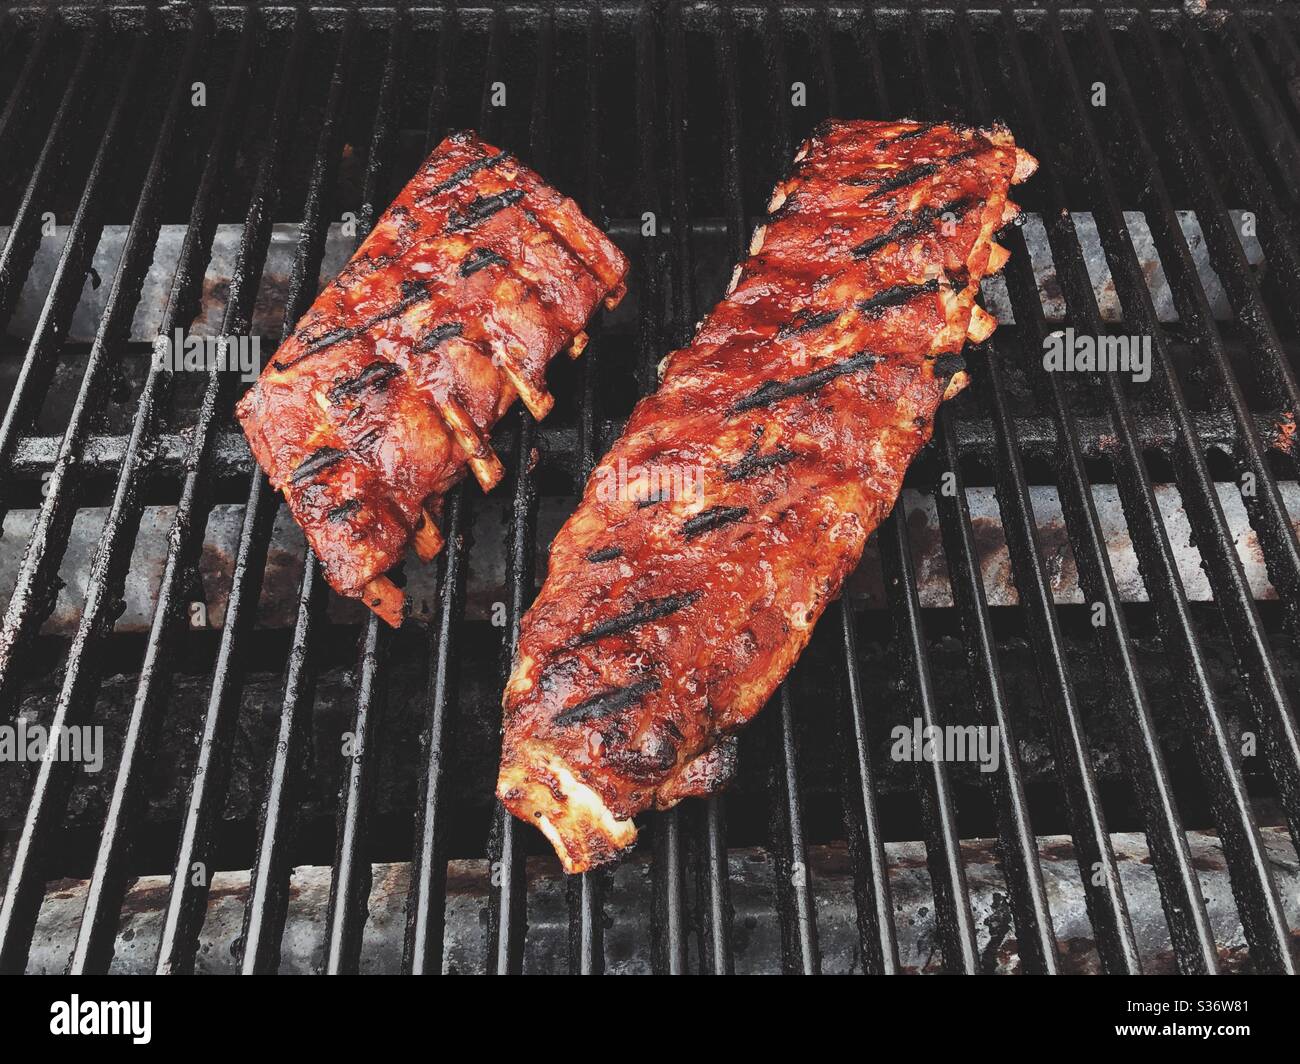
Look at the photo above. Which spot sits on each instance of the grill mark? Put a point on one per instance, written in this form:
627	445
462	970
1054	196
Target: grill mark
911	226
605	554
438	334
468	170
774	391
377	375
316	462
807	323
343	510
606	703
368	437
413	292
896	295
754	463
478	259
480	208
881	185
642	613
911	134
713	517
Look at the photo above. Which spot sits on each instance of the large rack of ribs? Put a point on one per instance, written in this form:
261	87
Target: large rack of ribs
665	624
468	285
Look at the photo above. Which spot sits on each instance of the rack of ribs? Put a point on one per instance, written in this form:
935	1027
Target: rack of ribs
666	623
468	285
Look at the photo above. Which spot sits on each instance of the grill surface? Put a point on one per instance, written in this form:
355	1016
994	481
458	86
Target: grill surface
252	723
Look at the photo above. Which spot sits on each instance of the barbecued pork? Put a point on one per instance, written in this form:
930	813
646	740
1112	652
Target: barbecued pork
666	623
389	386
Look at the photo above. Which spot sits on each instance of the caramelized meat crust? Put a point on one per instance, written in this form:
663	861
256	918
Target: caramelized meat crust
782	434
389	386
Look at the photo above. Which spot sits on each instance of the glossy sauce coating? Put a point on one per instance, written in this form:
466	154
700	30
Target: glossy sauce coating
474	278
666	623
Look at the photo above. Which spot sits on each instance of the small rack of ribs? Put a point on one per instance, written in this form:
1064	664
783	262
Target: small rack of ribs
665	624
387	390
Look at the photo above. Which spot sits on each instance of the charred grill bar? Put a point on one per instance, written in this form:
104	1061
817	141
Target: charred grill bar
682	112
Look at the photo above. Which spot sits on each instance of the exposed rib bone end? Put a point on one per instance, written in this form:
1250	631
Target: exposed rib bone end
1026	165
578	344
541	788
426	539
981	326
386	599
998	257
616	296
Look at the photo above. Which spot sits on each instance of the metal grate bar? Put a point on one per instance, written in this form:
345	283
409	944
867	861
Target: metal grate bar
24	235
712	874
1268	513
187	898
70	272
267	908
33	595
426	899
1244	173
1033	918
94	947
1260	914
1235	601
20	101
670	916
1281	139
28	605
1180	887
1134	482
934	789
714	925
586	892
871	892
790	859
1184	278
508	911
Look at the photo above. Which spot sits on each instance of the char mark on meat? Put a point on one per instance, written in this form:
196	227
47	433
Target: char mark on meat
806	322
413	292
641	613
753	463
713	517
316	462
607	703
605	554
344	510
771	392
912	225
478	259
895	296
463	174
376	377
438	334
481	208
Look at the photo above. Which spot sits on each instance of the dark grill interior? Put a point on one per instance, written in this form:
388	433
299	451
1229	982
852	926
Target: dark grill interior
1147	802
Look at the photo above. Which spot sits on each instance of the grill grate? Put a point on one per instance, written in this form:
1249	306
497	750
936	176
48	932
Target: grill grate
669	123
